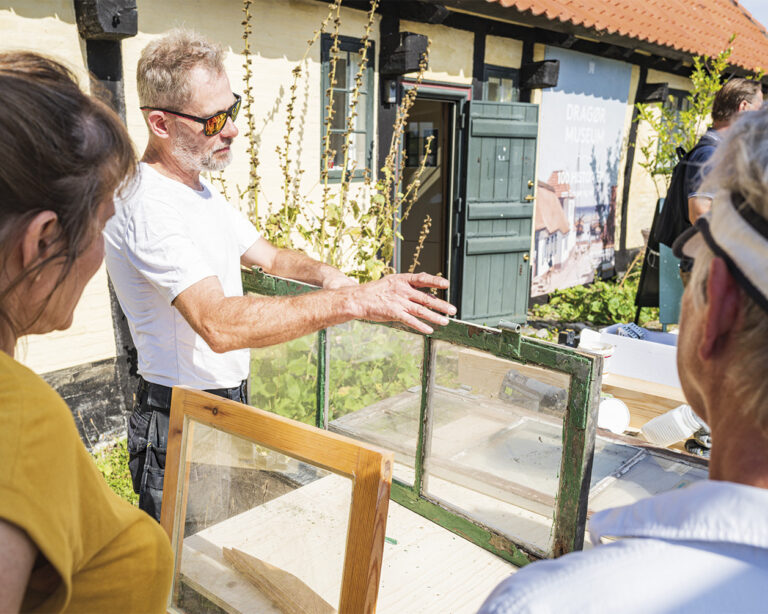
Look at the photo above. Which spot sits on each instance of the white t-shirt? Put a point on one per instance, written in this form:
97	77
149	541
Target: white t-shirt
702	548
162	239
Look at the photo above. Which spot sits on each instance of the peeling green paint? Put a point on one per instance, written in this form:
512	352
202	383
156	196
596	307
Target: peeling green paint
468	529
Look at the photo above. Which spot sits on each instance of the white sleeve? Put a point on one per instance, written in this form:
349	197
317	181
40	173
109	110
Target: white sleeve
243	230
162	250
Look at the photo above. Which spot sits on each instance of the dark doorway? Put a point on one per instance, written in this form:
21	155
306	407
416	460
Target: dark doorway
428	117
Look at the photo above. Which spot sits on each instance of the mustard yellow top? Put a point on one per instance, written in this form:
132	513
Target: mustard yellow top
100	553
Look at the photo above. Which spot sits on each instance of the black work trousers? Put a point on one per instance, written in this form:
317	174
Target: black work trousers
148	440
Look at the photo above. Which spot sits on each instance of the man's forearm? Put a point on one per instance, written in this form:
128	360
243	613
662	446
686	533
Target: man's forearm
297	265
230	323
259	321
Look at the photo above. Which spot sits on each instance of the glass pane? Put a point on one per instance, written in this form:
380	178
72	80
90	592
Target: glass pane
375	388
337	159
355	66
263	532
358	150
339	121
494	86
361	121
508	91
644	474
341	70
496	443
283	379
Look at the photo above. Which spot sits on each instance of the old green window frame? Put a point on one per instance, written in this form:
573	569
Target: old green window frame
501	84
578	429
361	137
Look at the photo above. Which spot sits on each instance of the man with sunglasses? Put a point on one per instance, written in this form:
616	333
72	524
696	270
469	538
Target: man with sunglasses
702	548
174	250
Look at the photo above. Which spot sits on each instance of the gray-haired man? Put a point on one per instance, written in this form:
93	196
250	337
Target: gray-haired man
174	250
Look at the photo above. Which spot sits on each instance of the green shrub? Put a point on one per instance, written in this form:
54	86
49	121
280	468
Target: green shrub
113	464
367	363
600	303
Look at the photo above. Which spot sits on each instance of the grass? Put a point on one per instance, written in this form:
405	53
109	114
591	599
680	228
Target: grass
112	461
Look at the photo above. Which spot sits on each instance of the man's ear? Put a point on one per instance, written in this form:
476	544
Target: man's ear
723	309
38	238
743	105
158	122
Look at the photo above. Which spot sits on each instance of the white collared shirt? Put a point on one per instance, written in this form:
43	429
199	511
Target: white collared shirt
164	238
699	549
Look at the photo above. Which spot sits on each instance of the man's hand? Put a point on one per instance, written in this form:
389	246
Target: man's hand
395	298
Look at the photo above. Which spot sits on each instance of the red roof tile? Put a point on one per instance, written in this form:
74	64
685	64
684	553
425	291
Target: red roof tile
695	27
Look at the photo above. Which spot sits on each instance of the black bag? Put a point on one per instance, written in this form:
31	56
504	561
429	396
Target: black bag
673	217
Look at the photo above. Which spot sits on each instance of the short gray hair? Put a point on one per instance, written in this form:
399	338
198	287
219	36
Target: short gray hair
740	166
163	72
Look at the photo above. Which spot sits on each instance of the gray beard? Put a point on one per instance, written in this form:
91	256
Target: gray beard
189	157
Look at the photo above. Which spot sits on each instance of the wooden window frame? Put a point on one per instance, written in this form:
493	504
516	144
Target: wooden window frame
503	72
351	45
369	468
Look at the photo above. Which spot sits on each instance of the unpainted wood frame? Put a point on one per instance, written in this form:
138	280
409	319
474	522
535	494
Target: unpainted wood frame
370	469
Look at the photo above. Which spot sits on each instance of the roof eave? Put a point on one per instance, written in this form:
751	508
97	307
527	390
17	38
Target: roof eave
497	12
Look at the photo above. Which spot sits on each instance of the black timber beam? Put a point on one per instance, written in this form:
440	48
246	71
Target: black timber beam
96	398
497	20
644	94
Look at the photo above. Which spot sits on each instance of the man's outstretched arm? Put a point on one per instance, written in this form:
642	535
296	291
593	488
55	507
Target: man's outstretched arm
294	265
230	323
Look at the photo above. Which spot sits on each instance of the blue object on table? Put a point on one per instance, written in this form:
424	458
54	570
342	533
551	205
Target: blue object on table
631	330
670	286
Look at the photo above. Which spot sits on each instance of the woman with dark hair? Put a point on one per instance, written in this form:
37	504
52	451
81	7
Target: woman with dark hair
68	542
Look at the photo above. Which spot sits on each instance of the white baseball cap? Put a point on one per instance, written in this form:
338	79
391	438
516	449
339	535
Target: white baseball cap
738	234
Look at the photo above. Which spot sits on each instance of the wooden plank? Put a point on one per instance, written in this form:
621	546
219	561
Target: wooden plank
367	525
425	568
645	400
290	594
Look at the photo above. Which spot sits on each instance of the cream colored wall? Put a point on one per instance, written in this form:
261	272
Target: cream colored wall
90	338
48	26
450	55
45	26
644	191
278	44
501	51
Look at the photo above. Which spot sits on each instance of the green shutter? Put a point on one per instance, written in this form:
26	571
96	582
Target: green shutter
498	215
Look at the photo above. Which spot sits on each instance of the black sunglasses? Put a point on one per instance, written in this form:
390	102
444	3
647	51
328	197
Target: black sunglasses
211	125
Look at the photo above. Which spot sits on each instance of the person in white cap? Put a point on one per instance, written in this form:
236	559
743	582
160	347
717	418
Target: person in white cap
703	548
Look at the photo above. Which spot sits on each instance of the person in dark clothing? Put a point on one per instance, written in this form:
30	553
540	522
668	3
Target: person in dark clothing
735	96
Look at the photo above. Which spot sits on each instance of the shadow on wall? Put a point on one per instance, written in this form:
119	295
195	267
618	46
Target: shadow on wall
220	21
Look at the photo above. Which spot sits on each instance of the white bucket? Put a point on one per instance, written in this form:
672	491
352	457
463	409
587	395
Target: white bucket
613	414
601	349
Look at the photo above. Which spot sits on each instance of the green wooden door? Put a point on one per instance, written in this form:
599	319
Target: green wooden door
498	214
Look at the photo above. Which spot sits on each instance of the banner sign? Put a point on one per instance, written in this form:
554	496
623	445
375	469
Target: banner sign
581	139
